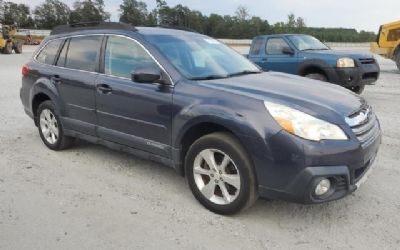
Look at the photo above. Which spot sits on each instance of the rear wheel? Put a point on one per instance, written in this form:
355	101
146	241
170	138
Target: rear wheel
397	58
317	76
18	47
220	174
8	48
50	128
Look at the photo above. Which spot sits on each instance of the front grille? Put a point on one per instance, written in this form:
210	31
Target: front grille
367	60
364	124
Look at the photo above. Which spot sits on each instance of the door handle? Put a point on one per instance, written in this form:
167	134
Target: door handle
55	79
104	89
264	59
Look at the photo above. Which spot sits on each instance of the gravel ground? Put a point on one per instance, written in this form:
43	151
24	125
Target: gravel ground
90	197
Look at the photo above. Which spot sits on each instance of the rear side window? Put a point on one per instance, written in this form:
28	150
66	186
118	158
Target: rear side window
49	52
83	53
257	44
123	55
275	46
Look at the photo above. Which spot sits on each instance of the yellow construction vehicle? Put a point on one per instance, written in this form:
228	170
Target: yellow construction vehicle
8	42
388	42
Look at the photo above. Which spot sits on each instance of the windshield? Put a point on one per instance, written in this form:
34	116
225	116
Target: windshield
307	43
202	58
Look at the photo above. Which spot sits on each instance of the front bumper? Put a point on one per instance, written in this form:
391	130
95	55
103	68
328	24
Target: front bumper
296	165
362	74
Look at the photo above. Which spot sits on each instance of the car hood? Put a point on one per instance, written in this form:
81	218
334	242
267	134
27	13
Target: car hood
340	53
317	98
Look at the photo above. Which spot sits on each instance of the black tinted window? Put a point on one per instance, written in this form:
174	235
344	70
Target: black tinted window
83	52
49	52
275	46
257	44
123	56
394	35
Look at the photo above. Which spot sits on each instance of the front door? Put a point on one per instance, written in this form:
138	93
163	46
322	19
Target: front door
276	59
131	113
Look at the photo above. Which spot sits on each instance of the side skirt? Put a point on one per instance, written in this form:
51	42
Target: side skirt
119	147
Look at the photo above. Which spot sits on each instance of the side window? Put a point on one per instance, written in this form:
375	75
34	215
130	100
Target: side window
257	44
49	53
63	55
83	53
123	55
275	45
394	35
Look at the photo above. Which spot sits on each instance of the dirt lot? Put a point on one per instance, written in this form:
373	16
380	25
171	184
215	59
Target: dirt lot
90	197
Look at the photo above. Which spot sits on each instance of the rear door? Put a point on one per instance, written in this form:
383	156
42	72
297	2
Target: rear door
276	60
131	113
74	77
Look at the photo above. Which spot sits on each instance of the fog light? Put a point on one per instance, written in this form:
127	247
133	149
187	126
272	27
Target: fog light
323	187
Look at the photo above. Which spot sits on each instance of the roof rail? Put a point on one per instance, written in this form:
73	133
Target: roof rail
91	26
173	27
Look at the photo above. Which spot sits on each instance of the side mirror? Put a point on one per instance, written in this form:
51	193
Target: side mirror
287	50
147	74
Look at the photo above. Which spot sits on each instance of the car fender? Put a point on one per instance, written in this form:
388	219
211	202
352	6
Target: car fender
315	63
45	86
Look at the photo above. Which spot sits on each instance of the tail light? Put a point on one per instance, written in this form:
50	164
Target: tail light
25	70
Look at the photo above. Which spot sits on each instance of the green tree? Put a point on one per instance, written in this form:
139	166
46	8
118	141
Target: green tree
88	10
51	13
17	14
1	10
133	12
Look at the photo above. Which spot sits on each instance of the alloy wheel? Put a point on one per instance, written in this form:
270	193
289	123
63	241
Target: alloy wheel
49	126
216	176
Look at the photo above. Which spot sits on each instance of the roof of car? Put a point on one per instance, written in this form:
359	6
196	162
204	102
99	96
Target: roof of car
89	27
280	35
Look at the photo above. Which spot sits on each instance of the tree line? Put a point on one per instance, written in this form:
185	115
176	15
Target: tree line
240	25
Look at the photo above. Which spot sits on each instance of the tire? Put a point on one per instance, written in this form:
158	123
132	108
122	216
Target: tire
18	47
317	76
50	128
8	48
222	190
357	89
397	58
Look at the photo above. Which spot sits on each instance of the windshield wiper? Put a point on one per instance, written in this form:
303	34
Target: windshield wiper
244	72
210	77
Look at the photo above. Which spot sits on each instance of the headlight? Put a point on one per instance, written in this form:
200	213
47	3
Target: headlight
304	125
345	63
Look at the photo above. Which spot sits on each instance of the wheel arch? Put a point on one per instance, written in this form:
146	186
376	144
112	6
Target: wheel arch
314	66
41	91
199	128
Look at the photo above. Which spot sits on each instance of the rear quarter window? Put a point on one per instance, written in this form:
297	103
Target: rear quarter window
48	54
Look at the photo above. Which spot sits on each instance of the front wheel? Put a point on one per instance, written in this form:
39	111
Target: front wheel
220	174
317	76
50	128
397	58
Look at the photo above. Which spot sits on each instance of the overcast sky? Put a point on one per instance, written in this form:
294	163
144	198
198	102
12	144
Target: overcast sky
359	14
